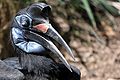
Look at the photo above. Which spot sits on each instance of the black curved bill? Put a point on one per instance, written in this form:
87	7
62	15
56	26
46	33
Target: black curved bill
47	29
55	35
48	44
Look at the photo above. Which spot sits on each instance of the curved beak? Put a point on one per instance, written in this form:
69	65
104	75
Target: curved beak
48	30
56	36
48	44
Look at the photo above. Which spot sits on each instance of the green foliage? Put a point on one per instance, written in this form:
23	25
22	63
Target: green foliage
86	5
87	9
96	4
92	8
89	12
104	4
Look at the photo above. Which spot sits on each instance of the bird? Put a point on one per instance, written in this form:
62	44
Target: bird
32	35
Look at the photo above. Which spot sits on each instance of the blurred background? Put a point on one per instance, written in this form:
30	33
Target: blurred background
90	27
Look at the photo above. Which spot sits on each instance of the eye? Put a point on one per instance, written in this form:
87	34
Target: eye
25	21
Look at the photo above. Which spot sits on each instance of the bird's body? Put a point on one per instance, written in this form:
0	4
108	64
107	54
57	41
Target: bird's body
30	32
8	72
42	68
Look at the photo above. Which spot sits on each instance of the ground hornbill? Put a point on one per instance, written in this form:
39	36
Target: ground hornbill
31	36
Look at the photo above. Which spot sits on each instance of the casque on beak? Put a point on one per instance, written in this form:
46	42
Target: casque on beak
47	29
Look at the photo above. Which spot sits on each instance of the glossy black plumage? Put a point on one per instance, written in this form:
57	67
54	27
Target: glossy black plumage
34	47
42	68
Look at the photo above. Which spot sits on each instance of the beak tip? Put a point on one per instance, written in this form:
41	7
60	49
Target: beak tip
70	70
69	67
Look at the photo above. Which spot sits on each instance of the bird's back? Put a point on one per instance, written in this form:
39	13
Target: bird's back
42	68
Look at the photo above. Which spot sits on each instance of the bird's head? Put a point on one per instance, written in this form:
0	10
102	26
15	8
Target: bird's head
35	23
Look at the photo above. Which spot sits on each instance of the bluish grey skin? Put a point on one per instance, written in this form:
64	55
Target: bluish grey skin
29	40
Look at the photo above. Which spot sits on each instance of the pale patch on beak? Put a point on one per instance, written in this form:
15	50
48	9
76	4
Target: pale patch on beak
42	27
48	30
48	44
